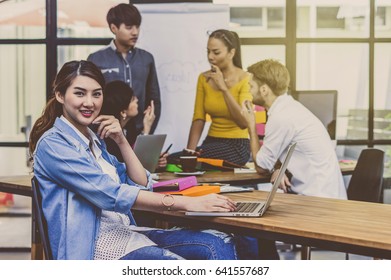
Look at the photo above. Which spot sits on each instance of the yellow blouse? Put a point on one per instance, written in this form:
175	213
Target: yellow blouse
211	101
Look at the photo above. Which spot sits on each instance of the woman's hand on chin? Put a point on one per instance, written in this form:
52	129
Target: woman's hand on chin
217	77
110	128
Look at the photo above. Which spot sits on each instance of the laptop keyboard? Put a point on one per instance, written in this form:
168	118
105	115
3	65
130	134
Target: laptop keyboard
246	207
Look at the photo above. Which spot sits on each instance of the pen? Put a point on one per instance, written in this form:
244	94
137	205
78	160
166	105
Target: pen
166	151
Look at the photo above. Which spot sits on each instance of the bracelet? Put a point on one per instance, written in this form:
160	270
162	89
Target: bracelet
168	201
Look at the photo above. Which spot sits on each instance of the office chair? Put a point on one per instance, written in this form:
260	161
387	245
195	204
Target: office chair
367	177
39	220
365	183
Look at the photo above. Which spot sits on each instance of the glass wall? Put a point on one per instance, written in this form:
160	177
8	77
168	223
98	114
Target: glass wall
67	53
315	70
22	78
254	18
383	18
382	101
22	88
326	44
84	19
254	53
332	18
333	48
22	19
22	97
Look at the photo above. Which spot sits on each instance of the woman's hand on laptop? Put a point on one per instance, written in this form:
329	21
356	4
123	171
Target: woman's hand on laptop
211	202
285	183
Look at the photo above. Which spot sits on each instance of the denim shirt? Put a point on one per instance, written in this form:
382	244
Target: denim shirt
75	190
138	70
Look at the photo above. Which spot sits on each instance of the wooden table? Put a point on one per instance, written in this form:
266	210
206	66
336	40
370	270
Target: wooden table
228	177
347	166
340	225
21	185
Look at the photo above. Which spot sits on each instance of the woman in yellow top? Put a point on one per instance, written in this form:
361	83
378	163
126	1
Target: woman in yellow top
220	91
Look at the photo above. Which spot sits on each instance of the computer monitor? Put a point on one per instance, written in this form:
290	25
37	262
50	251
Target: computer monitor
323	104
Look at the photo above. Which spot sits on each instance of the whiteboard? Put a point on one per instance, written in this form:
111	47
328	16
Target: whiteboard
176	35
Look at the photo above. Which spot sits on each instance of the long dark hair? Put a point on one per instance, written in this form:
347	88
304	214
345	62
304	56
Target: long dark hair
117	97
63	80
231	40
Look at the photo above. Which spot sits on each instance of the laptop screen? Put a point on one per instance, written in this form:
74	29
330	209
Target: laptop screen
148	148
280	176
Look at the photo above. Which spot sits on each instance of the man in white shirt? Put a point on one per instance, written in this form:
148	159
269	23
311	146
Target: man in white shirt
314	164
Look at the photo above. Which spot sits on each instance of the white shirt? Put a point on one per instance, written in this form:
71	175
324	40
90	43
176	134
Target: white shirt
314	164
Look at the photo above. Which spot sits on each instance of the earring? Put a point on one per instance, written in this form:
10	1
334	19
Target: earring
123	118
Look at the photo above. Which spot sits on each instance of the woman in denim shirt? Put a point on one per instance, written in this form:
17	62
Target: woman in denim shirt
87	194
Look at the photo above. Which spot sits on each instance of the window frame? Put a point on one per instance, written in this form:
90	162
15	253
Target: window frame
290	41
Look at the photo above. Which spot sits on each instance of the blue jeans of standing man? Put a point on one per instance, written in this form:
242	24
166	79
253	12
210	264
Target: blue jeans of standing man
176	244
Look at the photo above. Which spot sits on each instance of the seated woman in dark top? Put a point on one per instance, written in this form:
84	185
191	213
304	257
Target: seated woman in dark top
120	102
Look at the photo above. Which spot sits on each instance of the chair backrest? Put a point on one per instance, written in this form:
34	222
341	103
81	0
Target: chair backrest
367	178
40	219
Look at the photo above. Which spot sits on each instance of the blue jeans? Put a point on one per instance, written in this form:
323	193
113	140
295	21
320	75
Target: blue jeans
151	253
188	244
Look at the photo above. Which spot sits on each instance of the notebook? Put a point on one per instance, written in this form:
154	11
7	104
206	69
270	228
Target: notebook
148	148
196	191
253	208
178	184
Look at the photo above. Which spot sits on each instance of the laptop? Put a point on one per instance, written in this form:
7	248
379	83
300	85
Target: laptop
148	148
252	208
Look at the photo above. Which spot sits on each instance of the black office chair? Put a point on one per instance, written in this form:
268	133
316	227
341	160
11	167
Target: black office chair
367	178
40	221
365	183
